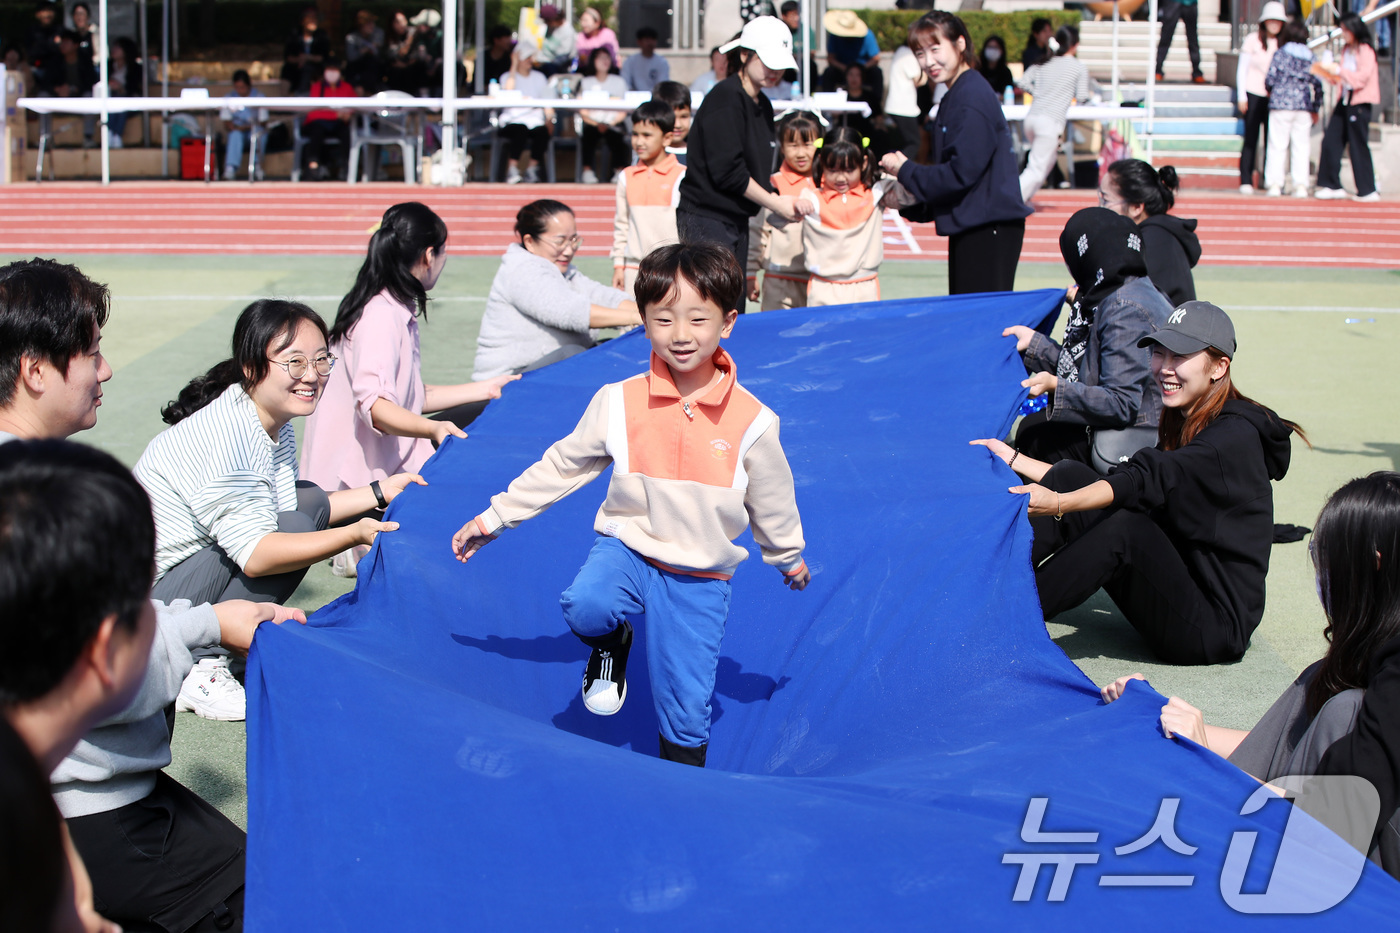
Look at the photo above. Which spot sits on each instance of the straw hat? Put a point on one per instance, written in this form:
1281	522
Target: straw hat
845	23
770	38
1273	10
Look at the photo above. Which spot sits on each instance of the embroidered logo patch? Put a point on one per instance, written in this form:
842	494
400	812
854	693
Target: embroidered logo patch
1134	242
1083	243
1099	278
719	448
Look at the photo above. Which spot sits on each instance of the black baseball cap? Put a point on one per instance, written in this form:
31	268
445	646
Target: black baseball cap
1193	326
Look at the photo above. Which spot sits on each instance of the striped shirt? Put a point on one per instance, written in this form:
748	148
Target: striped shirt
218	478
1056	84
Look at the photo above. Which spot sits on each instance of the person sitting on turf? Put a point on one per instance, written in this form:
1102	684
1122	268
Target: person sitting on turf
235	520
1104	404
370	425
1179	535
541	309
666	530
1356	557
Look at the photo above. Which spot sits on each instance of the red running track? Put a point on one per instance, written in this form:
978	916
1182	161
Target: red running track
285	219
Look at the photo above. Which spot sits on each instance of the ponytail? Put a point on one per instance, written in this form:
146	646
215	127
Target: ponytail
405	233
1065	38
1139	183
266	327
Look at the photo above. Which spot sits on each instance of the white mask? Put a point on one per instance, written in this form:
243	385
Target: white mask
332	76
992	55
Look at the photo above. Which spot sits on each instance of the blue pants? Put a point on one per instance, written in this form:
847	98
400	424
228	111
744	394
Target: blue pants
237	141
685	622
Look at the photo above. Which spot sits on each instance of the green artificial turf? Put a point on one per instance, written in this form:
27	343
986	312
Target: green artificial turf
172	318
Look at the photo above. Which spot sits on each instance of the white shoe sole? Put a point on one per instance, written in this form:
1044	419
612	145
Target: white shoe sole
183	705
606	712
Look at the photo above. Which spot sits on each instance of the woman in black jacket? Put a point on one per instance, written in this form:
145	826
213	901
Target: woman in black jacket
729	163
1144	195
993	65
972	192
1180	534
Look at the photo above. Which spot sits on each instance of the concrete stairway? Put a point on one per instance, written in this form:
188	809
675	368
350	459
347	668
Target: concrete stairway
1194	128
1096	51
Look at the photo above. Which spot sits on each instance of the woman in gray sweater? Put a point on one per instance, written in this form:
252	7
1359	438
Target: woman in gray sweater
541	309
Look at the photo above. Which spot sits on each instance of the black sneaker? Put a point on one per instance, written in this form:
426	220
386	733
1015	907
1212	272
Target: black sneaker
605	677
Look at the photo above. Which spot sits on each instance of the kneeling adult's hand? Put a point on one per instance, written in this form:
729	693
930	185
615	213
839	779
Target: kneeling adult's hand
239	620
368	529
1115	690
1023	335
442	432
1181	719
397	483
1002	449
1043	501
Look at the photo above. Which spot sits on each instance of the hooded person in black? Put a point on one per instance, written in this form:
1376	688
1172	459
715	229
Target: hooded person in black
1170	247
1179	535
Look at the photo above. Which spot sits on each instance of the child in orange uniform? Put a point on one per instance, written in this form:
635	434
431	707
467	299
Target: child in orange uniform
696	459
843	239
647	193
778	250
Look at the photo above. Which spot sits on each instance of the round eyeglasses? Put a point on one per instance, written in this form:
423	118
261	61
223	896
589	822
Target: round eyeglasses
296	367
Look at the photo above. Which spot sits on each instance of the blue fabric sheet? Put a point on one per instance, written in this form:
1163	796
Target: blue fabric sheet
419	758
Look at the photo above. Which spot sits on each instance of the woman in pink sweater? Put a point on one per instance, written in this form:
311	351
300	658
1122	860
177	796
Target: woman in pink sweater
1350	126
1251	96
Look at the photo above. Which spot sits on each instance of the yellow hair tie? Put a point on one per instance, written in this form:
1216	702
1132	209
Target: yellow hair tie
818	143
865	142
375	227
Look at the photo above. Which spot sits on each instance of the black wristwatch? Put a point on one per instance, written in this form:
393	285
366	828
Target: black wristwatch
378	494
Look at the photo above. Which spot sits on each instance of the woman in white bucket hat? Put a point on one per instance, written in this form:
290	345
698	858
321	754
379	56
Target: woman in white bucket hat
730	159
1251	96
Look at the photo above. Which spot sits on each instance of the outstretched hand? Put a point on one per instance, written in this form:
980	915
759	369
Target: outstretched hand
1181	719
1002	449
468	540
1115	690
393	485
1023	335
239	620
368	529
1040	383
495	384
1043	501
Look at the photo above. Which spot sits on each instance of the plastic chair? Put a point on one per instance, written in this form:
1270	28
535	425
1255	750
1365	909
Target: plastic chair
386	127
299	141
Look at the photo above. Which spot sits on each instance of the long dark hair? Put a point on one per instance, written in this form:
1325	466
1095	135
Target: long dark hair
1355	25
405	233
1356	552
844	149
263	323
1139	183
1178	428
1066	38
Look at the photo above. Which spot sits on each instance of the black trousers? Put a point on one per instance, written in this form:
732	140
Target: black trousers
617	156
1172	11
1349	128
519	137
1052	441
1130	557
908	142
318	131
1256	122
730	232
984	258
169	862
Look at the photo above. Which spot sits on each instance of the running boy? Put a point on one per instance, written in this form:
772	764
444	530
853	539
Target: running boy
676	96
696	459
647	194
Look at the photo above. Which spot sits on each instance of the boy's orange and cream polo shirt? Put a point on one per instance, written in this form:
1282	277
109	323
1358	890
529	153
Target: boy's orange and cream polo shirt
778	249
688	478
647	196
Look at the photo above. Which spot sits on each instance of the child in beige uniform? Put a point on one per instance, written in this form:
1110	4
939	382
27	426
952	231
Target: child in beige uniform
778	249
647	194
843	238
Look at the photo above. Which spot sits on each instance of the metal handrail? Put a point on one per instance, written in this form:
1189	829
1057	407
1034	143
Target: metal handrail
1380	12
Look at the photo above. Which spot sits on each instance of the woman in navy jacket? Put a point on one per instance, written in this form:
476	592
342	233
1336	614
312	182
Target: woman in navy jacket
972	192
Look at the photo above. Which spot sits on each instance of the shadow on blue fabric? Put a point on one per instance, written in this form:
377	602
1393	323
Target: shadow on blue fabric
900	746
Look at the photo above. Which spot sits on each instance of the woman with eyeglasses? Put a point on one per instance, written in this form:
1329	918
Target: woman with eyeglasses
234	519
541	308
1144	195
371	425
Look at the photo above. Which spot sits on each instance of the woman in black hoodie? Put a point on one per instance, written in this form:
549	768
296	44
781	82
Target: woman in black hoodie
1144	195
1179	535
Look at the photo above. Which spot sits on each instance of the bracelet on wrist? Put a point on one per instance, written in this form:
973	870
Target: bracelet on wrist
378	494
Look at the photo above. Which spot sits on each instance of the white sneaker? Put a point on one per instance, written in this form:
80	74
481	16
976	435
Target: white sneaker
512	176
1300	192
230	173
1275	192
590	177
1368	198
532	175
1330	194
113	140
210	692
346	563
1246	189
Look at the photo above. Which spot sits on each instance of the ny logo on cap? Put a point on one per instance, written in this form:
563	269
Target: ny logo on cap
1177	317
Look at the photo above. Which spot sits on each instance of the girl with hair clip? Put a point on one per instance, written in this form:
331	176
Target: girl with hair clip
843	234
1349	128
970	191
1055	84
1144	195
1179	535
1339	715
370	424
777	249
